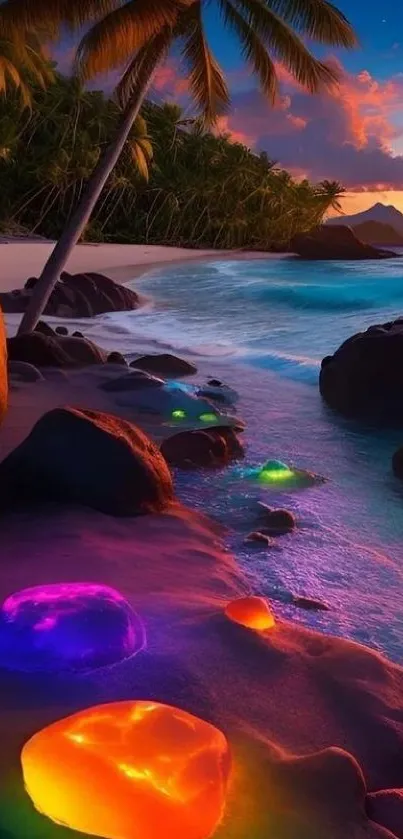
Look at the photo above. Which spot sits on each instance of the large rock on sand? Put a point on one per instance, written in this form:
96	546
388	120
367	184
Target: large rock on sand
54	350
89	458
164	364
336	242
206	447
76	295
3	368
364	377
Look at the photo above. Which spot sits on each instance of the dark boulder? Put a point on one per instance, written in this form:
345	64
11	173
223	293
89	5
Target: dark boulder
135	380
76	295
90	458
23	372
397	463
276	521
60	330
364	377
44	327
164	365
78	334
335	242
116	358
260	539
309	604
54	351
212	447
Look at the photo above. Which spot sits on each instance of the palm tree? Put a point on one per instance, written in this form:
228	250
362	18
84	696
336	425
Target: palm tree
140	33
22	63
332	192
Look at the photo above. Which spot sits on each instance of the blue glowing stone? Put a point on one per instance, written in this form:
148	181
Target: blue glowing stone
68	627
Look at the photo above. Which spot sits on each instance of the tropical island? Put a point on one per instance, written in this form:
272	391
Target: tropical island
200	445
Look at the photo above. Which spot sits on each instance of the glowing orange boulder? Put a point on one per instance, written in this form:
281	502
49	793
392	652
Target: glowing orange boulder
130	770
252	612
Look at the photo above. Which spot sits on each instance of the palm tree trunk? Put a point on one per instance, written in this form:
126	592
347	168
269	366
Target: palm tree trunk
76	225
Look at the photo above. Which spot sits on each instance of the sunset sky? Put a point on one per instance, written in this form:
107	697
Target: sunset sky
354	135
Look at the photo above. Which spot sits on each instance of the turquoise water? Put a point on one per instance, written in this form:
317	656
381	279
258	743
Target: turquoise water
263	326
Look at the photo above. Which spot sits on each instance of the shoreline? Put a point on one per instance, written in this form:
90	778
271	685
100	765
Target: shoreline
313	720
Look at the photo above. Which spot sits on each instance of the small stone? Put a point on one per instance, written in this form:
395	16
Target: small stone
130	770
116	358
164	364
78	334
252	612
310	604
61	330
260	538
277	521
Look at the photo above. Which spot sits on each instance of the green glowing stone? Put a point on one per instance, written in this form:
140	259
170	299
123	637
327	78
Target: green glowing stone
208	417
178	414
275	470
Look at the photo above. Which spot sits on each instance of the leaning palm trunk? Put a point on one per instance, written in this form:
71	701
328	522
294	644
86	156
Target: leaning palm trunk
76	225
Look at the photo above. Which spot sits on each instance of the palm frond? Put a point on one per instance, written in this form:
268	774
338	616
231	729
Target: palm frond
141	68
287	46
206	79
253	49
112	41
318	19
23	15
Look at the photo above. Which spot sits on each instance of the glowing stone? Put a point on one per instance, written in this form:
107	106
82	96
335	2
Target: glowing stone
208	417
130	770
252	612
67	626
178	414
275	470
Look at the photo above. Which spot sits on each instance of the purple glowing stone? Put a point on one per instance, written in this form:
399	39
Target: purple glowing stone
68	627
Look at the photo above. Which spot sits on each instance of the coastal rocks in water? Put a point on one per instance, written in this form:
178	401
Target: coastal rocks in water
212	447
135	380
164	364
336	242
89	458
218	392
116	358
24	372
397	463
67	627
136	769
309	604
54	350
3	369
275	521
260	539
364	377
76	295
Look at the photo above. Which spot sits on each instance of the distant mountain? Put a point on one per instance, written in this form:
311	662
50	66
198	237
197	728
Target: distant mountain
377	233
384	213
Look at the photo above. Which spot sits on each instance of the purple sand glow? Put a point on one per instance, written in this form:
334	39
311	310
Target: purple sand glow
68	626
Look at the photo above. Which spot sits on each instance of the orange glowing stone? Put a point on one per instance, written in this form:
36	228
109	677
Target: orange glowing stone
130	770
252	612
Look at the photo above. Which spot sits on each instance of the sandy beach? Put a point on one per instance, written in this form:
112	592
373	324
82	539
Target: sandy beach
315	723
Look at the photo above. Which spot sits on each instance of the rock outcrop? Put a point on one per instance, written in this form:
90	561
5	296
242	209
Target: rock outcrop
338	242
76	296
54	350
364	377
210	447
164	364
90	458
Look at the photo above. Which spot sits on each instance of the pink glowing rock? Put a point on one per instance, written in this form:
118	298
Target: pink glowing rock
252	612
68	626
130	770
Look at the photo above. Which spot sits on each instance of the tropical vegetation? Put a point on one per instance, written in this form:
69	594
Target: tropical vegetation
138	34
176	182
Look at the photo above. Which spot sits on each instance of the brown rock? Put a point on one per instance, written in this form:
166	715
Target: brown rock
335	242
212	447
260	538
3	369
44	327
61	330
89	458
310	604
54	351
164	365
276	521
116	358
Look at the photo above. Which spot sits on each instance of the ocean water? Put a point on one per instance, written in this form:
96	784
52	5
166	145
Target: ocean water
263	326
